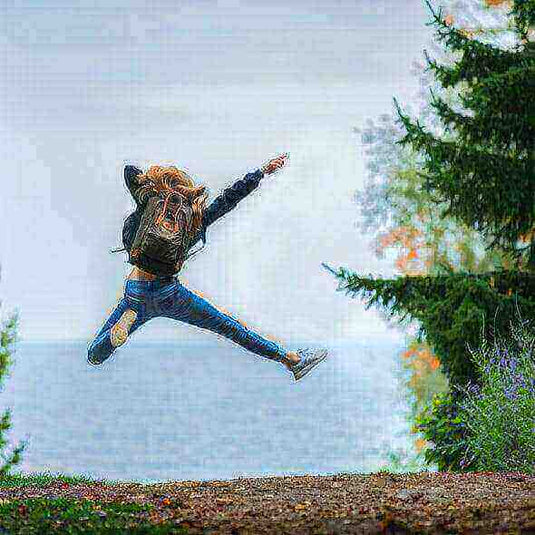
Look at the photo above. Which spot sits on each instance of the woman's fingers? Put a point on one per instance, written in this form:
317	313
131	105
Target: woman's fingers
276	163
280	161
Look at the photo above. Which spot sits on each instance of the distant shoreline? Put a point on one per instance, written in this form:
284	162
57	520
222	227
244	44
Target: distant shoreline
370	341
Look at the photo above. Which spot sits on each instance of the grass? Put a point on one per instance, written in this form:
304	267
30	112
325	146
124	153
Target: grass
42	515
65	515
41	479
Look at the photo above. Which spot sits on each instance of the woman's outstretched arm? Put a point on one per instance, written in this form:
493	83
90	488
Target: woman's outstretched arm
227	200
232	195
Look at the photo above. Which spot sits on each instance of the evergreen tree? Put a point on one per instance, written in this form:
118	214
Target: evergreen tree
397	213
483	170
8	335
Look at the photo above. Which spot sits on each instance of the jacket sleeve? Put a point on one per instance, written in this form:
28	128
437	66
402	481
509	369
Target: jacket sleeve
227	200
131	174
130	227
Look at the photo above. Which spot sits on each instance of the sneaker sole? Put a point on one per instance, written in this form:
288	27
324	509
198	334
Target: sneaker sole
93	362
119	332
305	371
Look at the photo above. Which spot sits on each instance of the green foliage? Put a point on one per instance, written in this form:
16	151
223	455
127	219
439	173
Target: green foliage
523	12
8	336
47	478
488	426
471	188
403	214
67	515
440	424
451	309
485	174
500	414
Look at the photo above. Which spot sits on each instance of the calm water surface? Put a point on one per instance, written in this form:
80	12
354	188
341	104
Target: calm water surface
203	410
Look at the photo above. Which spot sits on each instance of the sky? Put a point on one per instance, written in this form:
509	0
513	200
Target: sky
216	88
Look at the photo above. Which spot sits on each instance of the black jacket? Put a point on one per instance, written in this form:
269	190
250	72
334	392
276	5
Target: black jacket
221	205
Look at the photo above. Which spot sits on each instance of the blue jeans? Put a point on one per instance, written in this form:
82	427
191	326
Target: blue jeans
168	298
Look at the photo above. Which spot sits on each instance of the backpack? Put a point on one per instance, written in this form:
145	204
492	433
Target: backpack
165	232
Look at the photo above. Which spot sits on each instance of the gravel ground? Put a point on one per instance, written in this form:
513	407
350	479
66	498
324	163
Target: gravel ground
428	502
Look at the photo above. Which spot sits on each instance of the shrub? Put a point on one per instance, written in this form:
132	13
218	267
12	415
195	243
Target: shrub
500	411
444	430
8	335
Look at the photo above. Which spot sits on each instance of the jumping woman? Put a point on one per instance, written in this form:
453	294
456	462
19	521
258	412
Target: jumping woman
170	218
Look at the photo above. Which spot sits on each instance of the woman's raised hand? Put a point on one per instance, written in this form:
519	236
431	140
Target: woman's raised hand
275	164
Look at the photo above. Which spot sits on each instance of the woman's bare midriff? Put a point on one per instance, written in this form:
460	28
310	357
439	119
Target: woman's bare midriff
138	274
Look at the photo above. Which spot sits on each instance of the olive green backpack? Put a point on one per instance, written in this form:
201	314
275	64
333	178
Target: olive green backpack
164	235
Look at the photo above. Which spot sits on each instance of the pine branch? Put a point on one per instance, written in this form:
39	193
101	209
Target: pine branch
456	40
450	308
468	176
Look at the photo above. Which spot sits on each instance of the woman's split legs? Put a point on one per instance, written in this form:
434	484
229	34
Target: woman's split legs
173	300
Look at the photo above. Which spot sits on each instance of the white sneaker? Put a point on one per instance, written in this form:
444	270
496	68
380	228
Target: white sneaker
310	358
119	332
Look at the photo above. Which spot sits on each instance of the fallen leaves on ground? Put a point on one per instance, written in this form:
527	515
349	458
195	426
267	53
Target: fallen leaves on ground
428	502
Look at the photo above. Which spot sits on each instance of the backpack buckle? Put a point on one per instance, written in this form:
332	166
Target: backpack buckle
172	226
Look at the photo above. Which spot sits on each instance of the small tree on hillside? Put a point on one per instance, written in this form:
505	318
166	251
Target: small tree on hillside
8	335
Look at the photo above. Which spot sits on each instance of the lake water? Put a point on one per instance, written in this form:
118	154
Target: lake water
196	410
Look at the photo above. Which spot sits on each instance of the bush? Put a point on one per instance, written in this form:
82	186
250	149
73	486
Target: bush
488	425
8	336
500	412
444	430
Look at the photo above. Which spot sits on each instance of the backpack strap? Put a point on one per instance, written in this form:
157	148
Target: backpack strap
164	211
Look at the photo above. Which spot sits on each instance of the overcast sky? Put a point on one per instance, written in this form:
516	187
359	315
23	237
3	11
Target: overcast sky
217	88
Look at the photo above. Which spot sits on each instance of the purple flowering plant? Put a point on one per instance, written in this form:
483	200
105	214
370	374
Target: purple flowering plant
499	410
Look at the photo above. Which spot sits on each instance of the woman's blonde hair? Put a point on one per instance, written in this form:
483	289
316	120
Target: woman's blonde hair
158	178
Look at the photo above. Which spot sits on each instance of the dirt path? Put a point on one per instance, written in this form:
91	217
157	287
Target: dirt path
428	502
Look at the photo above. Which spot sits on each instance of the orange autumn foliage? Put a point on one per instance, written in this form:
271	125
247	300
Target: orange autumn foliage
408	238
421	359
420	444
496	3
404	236
526	238
449	19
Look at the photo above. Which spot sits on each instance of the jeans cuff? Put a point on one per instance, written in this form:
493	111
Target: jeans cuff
280	356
